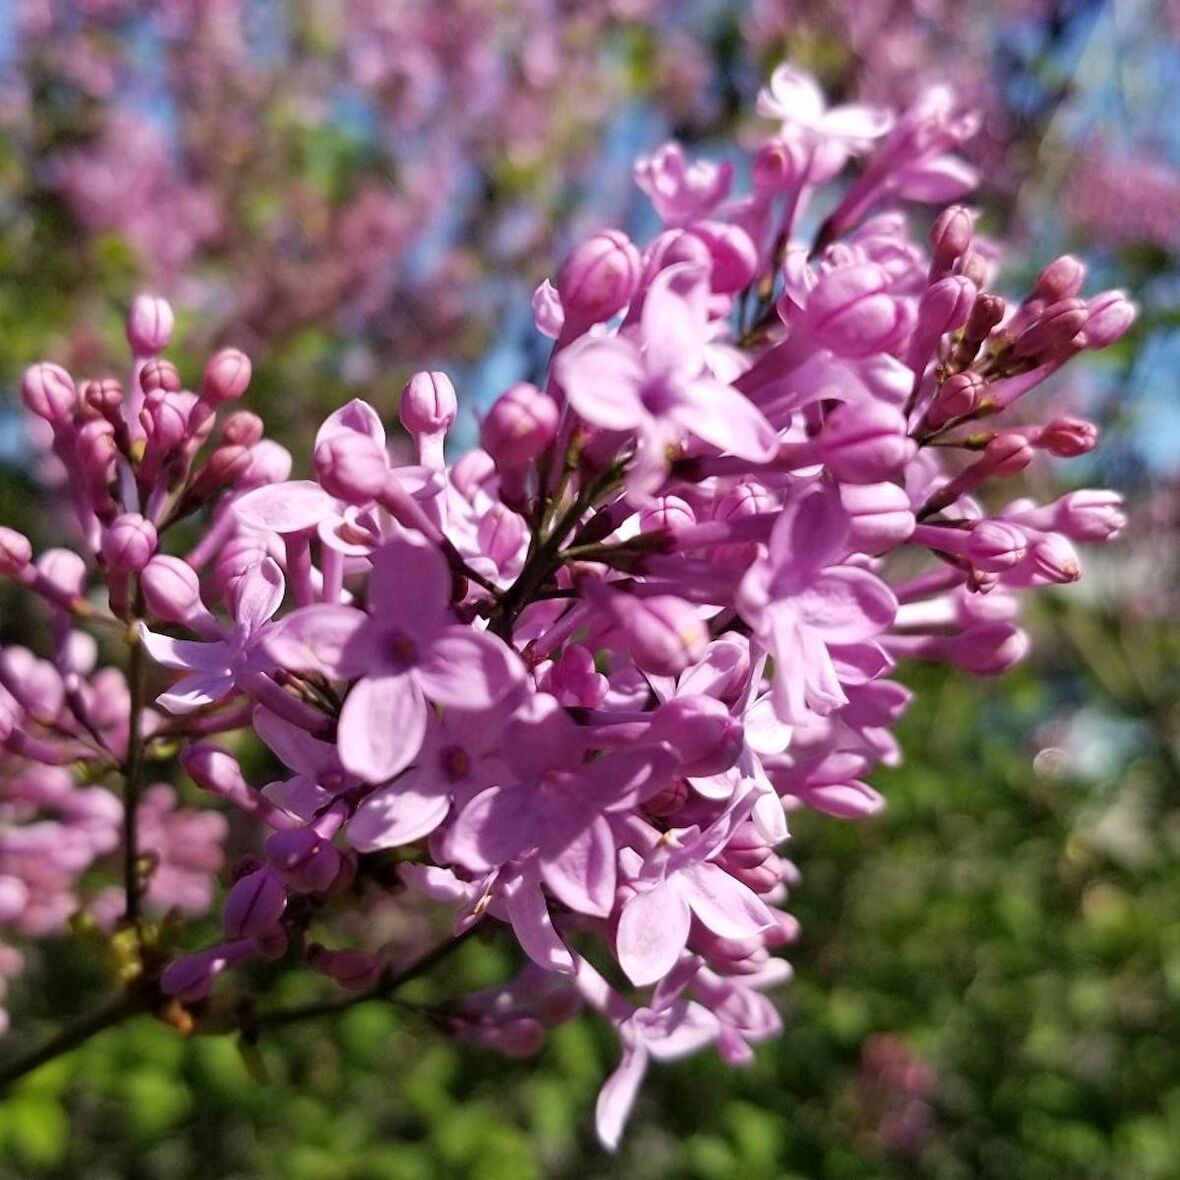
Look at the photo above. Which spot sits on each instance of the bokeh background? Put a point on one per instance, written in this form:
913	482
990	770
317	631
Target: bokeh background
988	981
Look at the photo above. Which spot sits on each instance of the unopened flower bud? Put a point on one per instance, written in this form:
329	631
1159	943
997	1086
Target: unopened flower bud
880	516
15	552
989	649
129	542
957	397
428	404
171	589
104	397
1067	437
48	391
1109	317
1090	515
705	735
241	429
149	325
666	514
778	164
851	311
733	257
865	442
254	904
994	546
1061	279
501	534
351	969
352	466
950	236
226	376
598	280
1056	327
519	427
159	374
662	634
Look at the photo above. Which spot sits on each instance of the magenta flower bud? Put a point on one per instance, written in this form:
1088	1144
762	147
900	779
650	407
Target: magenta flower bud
880	516
129	542
48	391
104	397
1056	327
985	315
945	305
165	417
778	164
149	325
1109	317
994	546
520	426
973	266
865	443
306	859
732	254
1054	560
191	977
705	735
159	374
255	904
352	466
171	589
428	404
1090	515
662	634
226	376
1006	454
744	499
989	649
597	280
501	534
1067	437
851	312
63	570
950	236
15	552
1061	279
241	429
958	396
351	969
666	514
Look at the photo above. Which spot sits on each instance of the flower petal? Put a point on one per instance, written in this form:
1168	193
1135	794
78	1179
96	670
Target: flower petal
467	669
320	638
400	814
653	931
583	873
287	507
381	727
723	904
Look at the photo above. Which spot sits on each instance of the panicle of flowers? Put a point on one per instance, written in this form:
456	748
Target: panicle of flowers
574	683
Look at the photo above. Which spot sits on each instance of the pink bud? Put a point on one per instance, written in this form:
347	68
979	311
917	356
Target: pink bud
547	313
351	969
778	164
1067	437
732	254
352	466
989	649
958	396
880	516
64	570
1109	317
598	280
190	978
662	634
865	442
945	305
520	426
1061	279
226	376
1090	515
850	800
48	391
254	904
165	417
666	514
103	397
1006	454
1054	560
241	429
985	315
428	404
851	312
950	236
15	552
501	534
1056	327
129	543
159	374
705	735
306	859
149	325
171	589
994	546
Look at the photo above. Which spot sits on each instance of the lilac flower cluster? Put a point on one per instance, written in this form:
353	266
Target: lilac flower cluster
574	682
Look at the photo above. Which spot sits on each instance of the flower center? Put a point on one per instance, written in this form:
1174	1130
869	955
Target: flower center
401	652
455	762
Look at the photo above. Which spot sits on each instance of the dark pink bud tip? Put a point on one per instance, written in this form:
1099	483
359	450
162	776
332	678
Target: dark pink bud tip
48	391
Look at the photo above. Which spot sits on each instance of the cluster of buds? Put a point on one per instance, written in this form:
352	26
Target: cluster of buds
575	682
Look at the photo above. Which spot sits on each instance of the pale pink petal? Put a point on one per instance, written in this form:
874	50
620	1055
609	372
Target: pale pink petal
193	692
399	814
582	874
674	318
653	930
410	585
358	417
320	639
285	507
188	654
602	379
723	904
469	669
381	727
293	746
944	179
617	1096
533	927
496	825
846	605
257	594
855	121
721	416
